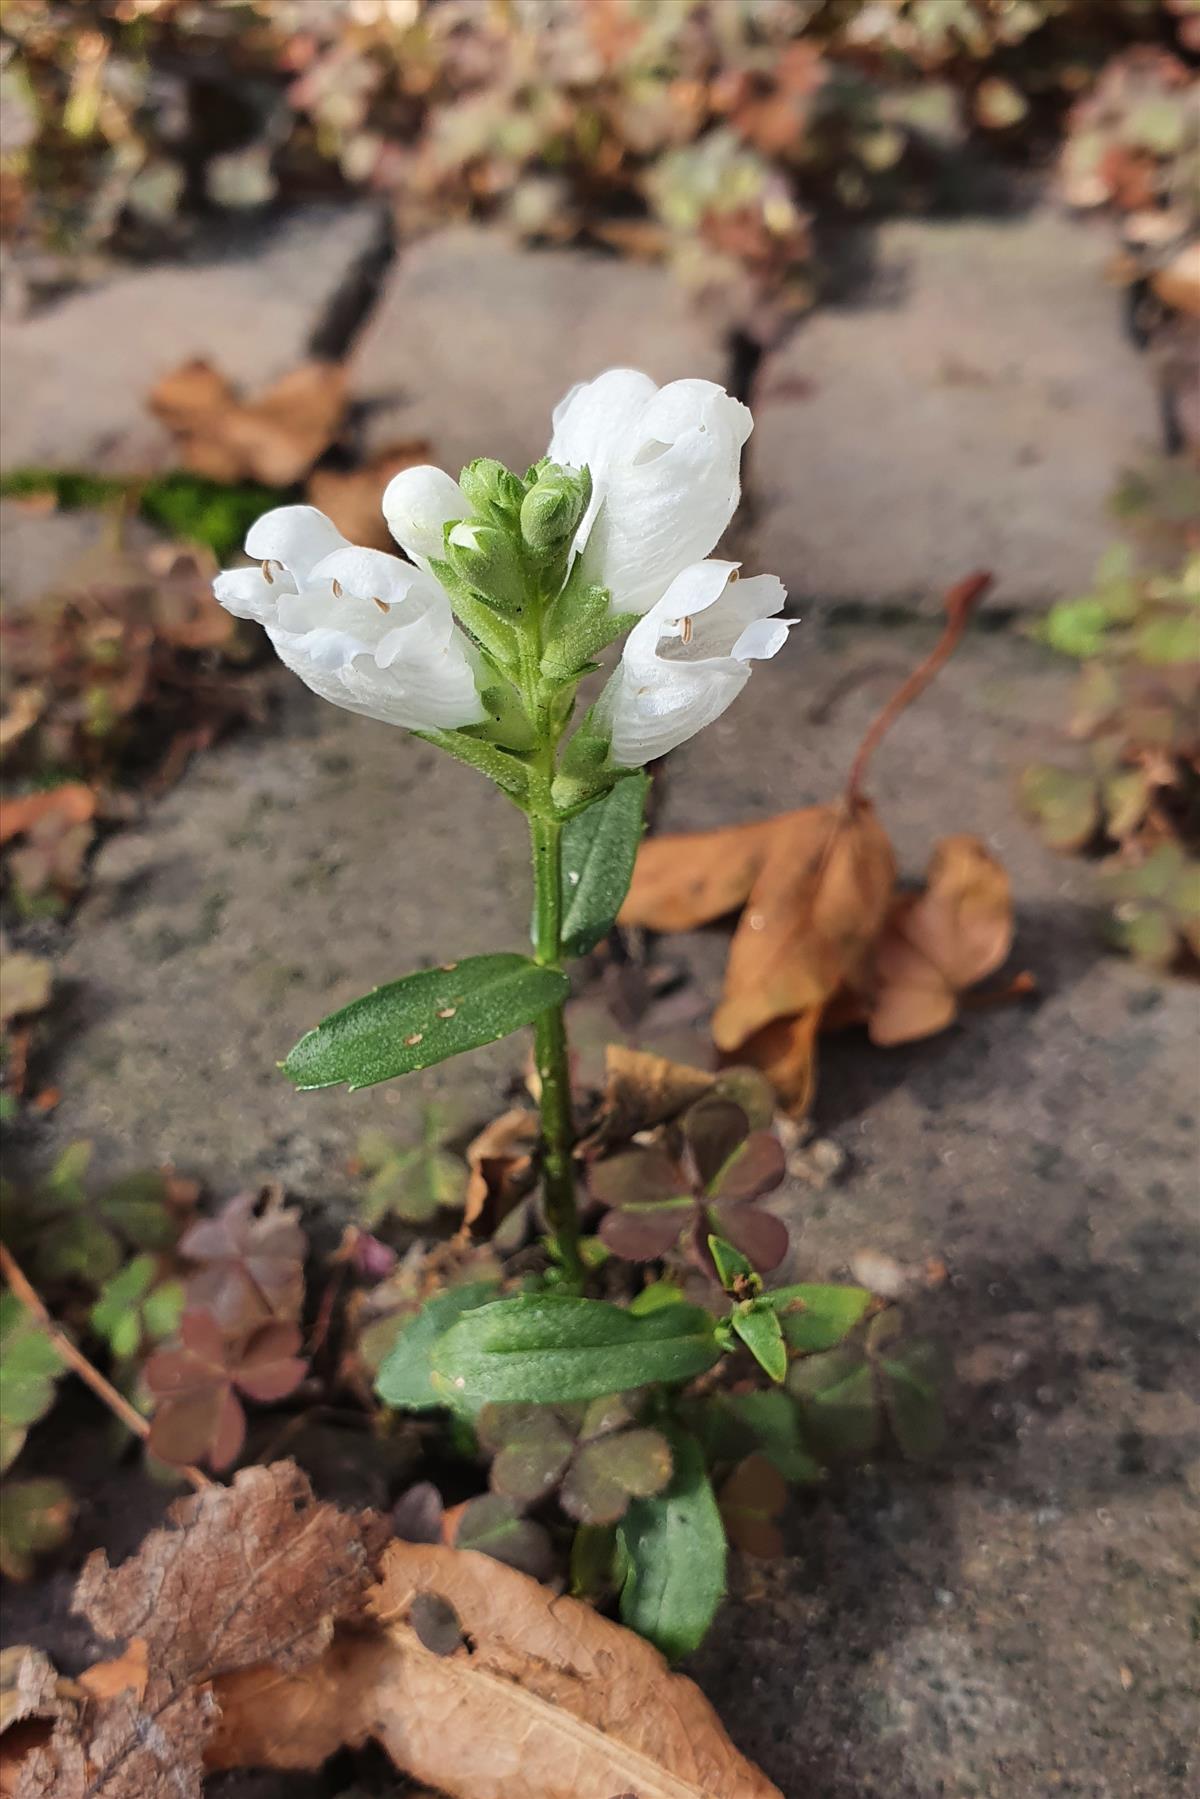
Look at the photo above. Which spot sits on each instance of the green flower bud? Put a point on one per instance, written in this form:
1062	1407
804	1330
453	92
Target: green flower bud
487	559
553	507
492	491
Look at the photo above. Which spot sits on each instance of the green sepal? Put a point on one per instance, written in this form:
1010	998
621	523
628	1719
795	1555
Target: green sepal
424	1019
581	624
478	616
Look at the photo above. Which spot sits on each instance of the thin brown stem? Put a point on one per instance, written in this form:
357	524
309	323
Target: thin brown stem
75	1359
959	603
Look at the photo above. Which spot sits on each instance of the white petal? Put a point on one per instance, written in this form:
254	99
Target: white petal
688	658
417	504
593	423
377	636
247	593
668	498
296	536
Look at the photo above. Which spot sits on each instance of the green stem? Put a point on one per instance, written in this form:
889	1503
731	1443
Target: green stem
550	1042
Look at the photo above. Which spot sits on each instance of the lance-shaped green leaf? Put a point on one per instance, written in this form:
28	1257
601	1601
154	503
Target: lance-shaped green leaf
672	1554
599	847
404	1377
758	1327
817	1317
546	1348
423	1019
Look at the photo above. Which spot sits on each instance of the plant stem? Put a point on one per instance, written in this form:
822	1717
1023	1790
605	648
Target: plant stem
550	1043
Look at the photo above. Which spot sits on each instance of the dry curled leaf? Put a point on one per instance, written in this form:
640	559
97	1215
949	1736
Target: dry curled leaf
275	438
642	1090
939	942
73	803
542	1699
241	1575
500	1160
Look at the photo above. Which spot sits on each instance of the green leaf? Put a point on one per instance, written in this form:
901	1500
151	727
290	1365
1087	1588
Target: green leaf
758	1327
772	1424
553	1348
404	1379
815	1317
1063	803
130	1307
35	1516
599	847
30	1365
672	1549
412	1183
413	1023
839	1407
731	1266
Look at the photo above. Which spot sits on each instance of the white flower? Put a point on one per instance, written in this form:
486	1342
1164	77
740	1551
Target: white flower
360	627
665	466
417	504
689	658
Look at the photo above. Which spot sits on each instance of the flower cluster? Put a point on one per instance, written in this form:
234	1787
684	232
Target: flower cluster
514	584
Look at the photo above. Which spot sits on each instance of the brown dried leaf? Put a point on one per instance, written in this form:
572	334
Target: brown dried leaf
500	1159
254	1572
642	1090
691	879
544	1699
275	438
940	942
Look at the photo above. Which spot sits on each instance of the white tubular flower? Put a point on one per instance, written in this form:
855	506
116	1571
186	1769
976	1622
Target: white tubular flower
665	466
417	504
361	628
689	658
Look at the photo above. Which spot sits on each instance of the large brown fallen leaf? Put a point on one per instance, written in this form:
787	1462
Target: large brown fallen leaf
276	437
816	889
541	1699
939	942
240	1574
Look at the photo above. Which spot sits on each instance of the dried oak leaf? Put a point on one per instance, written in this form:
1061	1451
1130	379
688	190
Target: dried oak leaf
938	943
257	1572
252	1260
274	438
199	1414
543	1698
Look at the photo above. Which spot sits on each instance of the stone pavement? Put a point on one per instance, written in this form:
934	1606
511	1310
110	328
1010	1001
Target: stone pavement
1015	1622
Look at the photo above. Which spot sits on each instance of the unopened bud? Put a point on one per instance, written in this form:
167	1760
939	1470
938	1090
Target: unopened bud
493	492
486	558
553	507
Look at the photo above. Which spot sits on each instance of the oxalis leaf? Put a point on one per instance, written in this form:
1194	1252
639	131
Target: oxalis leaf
555	1348
672	1549
423	1019
599	847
